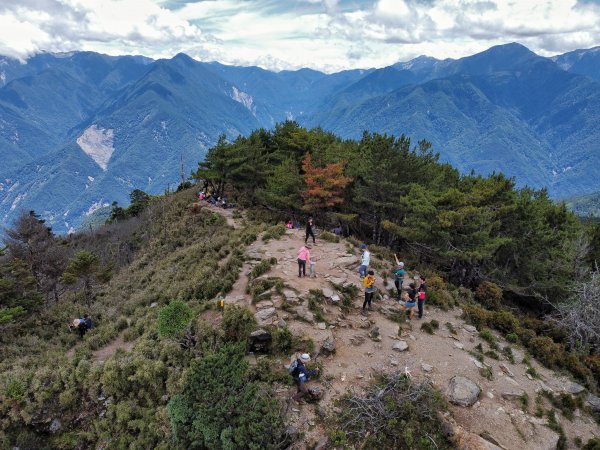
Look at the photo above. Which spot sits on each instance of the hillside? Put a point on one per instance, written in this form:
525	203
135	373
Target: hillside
585	206
81	130
506	355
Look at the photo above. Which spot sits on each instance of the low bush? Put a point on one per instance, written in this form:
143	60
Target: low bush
504	321
512	338
395	412
273	232
238	322
219	407
487	336
546	350
262	267
489	295
173	318
282	340
329	237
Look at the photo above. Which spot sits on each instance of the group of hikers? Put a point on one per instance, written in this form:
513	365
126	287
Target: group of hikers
214	199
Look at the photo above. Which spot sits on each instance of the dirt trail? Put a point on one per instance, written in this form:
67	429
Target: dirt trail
438	357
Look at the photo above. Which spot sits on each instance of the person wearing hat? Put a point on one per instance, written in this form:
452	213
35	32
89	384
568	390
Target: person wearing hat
82	325
301	375
365	260
399	273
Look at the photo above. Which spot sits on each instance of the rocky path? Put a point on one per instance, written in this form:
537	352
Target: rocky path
365	345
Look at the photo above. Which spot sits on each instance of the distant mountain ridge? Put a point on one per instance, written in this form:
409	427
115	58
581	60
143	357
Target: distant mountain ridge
81	130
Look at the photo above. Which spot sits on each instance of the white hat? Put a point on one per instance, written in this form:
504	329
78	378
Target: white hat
76	322
305	357
401	264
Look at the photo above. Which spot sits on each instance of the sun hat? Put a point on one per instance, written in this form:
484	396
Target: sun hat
76	322
305	357
401	264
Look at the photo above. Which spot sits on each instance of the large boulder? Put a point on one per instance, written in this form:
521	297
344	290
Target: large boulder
594	402
305	314
400	346
266	316
462	391
328	346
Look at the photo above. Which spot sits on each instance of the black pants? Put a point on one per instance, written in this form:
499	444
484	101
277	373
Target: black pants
368	298
309	232
82	329
301	267
420	304
398	283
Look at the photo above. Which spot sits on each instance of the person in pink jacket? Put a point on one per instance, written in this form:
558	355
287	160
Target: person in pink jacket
303	258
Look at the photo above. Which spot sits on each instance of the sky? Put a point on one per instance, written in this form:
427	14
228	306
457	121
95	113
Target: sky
327	35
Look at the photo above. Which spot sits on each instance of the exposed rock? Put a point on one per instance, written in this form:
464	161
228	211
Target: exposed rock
267	293
335	298
400	346
266	316
55	426
322	444
281	323
463	439
291	432
322	326
478	363
305	314
574	388
153	305
264	304
374	333
357	340
544	387
594	402
459	345
470	328
512	395
328	346
394	362
506	370
316	392
462	391
338	280
259	340
426	367
348	261
327	292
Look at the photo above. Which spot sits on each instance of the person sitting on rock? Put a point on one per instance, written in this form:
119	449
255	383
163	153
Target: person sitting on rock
301	375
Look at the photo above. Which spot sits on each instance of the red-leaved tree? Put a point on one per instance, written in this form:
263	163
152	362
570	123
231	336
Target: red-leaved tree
324	185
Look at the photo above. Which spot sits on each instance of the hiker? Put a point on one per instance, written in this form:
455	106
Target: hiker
409	306
303	258
82	325
364	262
369	284
289	225
422	291
399	273
310	231
301	375
337	230
201	195
311	271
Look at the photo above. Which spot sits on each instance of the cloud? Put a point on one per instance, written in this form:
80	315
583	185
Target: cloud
324	34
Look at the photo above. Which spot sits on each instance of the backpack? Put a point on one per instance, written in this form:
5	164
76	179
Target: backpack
293	369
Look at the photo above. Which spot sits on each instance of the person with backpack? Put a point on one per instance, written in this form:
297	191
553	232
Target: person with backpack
399	273
301	375
310	230
303	258
369	284
364	261
82	325
422	291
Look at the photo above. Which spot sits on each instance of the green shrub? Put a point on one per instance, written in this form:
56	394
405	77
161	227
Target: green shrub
592	444
451	328
282	340
504	321
238	322
262	267
477	316
546	350
427	328
221	408
489	295
512	338
174	318
487	336
273	232
525	335
329	237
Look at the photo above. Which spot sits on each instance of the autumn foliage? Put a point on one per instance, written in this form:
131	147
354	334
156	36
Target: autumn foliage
324	185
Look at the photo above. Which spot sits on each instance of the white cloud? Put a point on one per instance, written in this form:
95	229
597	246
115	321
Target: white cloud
324	34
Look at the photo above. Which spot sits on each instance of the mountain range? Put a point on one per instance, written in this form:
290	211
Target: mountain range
81	130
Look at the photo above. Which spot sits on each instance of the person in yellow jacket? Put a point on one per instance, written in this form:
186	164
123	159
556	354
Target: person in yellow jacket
369	284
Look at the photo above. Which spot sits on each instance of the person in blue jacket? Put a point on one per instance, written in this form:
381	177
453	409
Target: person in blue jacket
301	375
